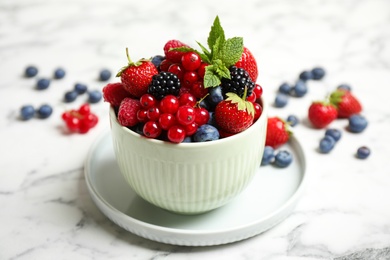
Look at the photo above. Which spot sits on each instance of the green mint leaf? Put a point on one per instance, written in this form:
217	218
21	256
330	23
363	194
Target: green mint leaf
206	55
215	33
211	78
183	49
231	51
220	69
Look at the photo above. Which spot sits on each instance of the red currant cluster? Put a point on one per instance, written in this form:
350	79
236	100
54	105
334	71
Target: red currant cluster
190	70
179	116
80	120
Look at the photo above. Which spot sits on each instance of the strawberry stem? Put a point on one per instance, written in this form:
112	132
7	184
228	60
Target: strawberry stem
128	56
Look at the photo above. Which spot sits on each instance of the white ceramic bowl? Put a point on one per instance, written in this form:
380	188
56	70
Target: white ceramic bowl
189	178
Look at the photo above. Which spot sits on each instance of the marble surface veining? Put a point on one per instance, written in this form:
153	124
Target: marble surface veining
46	210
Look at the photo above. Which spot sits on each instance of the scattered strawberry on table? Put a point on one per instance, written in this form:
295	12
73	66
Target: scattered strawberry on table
188	95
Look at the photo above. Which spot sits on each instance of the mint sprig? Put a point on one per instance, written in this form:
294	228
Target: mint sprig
222	54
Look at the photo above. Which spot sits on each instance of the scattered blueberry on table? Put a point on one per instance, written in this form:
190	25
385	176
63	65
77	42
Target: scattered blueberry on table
283	159
268	155
43	83
104	75
363	152
326	144
357	123
59	73
281	100
30	71
334	133
27	112
44	111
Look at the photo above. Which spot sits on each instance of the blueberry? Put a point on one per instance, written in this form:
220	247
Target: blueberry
43	84
318	73
156	60
203	103
281	100
292	120
215	96
299	89
345	87
44	111
357	123
306	75
334	133
212	119
31	71
206	133
94	96
27	112
326	144
59	73
268	155
80	88
363	152
283	158
187	139
104	75
70	96
285	88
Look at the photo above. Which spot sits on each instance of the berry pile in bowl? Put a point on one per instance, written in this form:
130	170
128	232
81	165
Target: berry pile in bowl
189	127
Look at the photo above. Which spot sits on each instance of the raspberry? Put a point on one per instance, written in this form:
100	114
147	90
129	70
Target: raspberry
174	56
238	81
127	113
163	84
114	93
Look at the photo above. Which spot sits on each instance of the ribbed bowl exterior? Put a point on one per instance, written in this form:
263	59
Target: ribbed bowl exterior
188	178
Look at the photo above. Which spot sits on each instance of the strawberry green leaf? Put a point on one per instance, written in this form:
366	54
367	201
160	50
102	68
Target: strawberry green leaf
215	33
241	103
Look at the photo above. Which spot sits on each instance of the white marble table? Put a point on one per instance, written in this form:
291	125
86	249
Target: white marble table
46	210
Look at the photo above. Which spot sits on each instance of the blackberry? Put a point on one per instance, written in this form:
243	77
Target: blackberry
239	80
164	83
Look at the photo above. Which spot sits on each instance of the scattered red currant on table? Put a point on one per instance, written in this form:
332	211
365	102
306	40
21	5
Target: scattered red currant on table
80	120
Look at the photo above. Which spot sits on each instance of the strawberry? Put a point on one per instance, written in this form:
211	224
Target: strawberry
278	132
114	93
127	113
248	63
346	103
136	76
233	115
321	114
174	56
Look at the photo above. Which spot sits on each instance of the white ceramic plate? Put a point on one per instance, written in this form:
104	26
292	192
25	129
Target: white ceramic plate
268	200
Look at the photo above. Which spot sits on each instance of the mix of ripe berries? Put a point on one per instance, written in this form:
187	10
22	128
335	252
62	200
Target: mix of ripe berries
188	96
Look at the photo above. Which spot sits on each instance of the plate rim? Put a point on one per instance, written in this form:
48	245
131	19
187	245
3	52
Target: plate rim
289	204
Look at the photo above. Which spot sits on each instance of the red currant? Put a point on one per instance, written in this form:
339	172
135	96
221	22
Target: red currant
83	127
185	115
73	123
169	104
147	101
187	99
202	116
84	109
258	110
258	90
190	61
165	64
151	129
142	115
191	129
176	134
166	121
91	120
153	113
198	90
202	69
176	69
189	78
252	97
